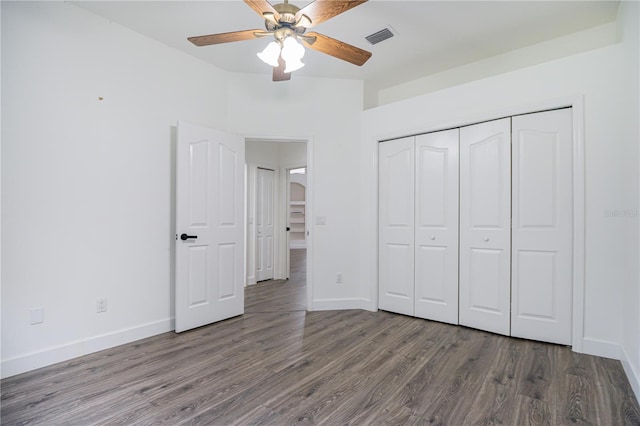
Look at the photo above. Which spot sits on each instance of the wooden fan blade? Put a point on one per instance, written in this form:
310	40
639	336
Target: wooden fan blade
263	7
336	48
321	10
207	40
278	72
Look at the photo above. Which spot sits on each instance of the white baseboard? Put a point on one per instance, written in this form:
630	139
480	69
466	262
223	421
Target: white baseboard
632	374
601	348
67	351
341	304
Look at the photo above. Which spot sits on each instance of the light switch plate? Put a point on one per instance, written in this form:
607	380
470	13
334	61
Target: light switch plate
36	316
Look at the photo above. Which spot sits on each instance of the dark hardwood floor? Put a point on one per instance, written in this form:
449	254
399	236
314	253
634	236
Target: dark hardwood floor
278	364
280	296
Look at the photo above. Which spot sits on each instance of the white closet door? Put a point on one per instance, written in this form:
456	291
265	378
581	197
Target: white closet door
485	216
542	227
265	207
396	227
436	223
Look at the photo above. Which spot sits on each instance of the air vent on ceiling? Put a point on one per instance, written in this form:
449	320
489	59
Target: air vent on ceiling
379	36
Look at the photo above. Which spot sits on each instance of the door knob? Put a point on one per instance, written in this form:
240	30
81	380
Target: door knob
486	239
433	237
184	237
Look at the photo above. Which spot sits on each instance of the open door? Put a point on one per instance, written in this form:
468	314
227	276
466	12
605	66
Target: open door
209	226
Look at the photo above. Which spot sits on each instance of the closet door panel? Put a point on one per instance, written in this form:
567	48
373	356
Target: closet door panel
396	225
485	221
542	226
436	226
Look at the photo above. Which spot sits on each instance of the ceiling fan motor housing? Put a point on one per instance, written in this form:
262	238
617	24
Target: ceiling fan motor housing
287	19
286	8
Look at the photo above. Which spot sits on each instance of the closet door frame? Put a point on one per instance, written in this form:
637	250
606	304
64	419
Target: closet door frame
576	103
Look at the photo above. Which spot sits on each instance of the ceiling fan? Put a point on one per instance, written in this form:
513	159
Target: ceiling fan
288	23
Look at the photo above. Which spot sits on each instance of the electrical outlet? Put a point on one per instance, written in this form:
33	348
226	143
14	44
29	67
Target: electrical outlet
101	305
339	278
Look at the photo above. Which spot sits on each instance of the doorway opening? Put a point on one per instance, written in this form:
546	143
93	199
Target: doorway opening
296	215
278	205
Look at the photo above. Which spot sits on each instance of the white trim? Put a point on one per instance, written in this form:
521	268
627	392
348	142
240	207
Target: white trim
579	229
576	102
632	374
249	231
283	211
31	361
601	348
310	202
342	304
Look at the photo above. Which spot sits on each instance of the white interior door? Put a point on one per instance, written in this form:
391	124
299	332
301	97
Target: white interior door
209	226
396	225
436	226
542	227
485	222
264	224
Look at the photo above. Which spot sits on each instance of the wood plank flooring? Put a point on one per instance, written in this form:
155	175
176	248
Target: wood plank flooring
279	365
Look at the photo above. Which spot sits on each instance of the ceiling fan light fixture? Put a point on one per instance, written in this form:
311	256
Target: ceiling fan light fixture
291	49
292	52
270	54
293	65
287	22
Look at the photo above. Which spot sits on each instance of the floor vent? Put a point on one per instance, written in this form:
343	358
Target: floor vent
379	36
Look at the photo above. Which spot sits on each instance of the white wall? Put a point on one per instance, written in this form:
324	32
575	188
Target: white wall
327	113
560	47
629	18
611	164
87	184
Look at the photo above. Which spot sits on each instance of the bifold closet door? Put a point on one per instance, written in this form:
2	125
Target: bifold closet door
436	226
396	225
542	226
485	221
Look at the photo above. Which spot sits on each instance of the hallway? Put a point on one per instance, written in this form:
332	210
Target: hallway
280	295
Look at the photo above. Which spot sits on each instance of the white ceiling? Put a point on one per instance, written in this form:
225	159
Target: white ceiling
432	36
